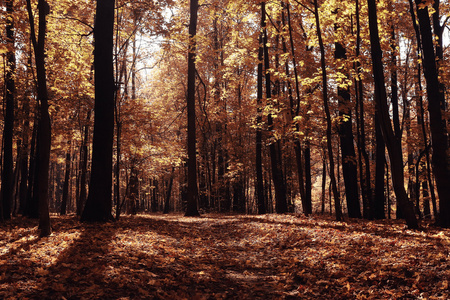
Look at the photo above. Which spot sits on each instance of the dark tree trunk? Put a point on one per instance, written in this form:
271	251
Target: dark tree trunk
394	102
337	200
154	204
23	185
168	193
392	142
133	190
10	90
436	99
65	194
277	171
98	204
192	191
260	195
44	127
377	209
84	162
349	169
32	205
364	161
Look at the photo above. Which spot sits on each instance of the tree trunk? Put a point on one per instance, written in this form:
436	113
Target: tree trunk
10	90
192	192
337	200
44	128
98	204
168	193
392	142
260	195
277	172
349	169
377	209
65	194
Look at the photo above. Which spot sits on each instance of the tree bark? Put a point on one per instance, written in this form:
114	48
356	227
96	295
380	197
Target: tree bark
349	170
192	192
99	203
377	209
10	90
65	194
260	195
44	127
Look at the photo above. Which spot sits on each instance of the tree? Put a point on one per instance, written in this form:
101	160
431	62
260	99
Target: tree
99	203
349	169
44	127
337	200
260	196
393	144
7	167
65	195
275	155
192	192
436	98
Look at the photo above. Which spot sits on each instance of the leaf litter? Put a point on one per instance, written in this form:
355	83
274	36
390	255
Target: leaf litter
223	257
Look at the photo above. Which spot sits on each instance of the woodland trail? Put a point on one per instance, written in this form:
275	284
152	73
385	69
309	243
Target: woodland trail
223	257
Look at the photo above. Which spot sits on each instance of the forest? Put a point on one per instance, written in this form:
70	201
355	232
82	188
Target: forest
228	106
301	118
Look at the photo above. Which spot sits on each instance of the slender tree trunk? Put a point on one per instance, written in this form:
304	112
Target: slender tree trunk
10	90
65	194
349	169
392	142
84	163
277	172
44	128
99	203
24	160
192	192
260	196
377	210
168	193
31	209
337	200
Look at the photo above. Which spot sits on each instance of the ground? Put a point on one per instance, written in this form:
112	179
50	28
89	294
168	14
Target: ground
223	257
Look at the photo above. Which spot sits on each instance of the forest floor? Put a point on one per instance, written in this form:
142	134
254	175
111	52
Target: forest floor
223	257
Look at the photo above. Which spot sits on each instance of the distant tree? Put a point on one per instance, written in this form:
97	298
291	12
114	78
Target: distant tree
65	195
99	203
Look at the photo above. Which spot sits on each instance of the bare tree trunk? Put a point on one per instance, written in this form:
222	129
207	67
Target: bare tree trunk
99	203
349	169
337	198
65	194
10	90
260	195
192	192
